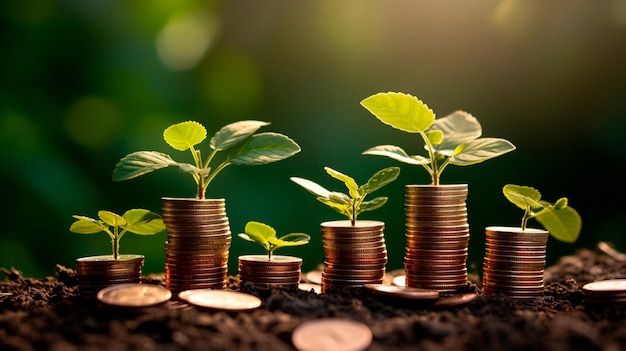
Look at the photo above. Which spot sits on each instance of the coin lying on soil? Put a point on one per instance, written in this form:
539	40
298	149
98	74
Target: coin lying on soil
332	334
134	295
225	300
403	292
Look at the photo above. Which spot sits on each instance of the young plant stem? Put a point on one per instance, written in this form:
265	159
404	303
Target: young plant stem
434	172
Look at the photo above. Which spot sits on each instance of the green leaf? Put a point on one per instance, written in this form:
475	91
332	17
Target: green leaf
184	135
311	187
337	203
292	239
560	203
401	111
112	219
189	168
259	232
380	179
396	153
139	163
564	224
143	222
353	187
372	204
86	225
264	148
522	196
458	127
234	133
434	136
479	150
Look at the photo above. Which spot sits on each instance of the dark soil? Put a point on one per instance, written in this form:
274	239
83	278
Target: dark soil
48	314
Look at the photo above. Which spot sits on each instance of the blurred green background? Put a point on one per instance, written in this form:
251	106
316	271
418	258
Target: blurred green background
83	83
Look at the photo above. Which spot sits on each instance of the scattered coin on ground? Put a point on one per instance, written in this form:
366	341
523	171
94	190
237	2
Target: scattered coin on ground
612	291
317	288
403	292
226	300
454	300
134	295
335	334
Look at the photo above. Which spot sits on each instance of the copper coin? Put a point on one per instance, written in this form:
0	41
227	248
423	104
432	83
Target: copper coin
403	292
454	300
225	300
331	334
134	295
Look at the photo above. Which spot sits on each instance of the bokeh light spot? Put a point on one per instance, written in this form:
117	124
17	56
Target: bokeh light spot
93	122
185	39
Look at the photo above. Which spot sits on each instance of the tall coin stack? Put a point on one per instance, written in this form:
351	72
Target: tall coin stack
198	240
514	262
437	236
98	272
279	271
355	255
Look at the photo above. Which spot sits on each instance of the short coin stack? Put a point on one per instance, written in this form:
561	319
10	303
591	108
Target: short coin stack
355	255
514	262
605	292
198	240
95	273
279	271
437	236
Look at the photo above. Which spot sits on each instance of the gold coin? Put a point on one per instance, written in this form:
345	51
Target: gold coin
225	300
134	295
332	334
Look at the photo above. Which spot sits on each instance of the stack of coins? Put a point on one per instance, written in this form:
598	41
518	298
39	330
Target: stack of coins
514	262
605	292
95	273
355	255
437	237
279	271
198	240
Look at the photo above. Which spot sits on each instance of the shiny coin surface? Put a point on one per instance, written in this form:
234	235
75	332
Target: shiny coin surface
403	292
134	295
225	300
317	288
314	277
609	286
454	300
335	334
399	280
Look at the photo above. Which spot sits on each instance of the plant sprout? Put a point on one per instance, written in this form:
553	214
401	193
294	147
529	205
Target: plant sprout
351	204
454	139
562	221
137	221
265	235
244	148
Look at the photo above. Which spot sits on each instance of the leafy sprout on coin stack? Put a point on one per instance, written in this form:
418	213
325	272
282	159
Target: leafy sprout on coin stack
353	203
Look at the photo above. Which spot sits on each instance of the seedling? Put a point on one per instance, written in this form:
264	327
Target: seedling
454	139
265	235
137	221
562	221
244	148
351	204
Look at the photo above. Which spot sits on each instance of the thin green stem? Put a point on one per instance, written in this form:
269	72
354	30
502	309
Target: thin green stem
213	174
434	172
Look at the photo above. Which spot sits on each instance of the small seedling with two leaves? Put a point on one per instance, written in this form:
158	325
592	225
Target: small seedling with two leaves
137	221
243	146
265	235
454	139
562	221
353	203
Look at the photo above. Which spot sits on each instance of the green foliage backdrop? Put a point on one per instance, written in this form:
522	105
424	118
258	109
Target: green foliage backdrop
84	83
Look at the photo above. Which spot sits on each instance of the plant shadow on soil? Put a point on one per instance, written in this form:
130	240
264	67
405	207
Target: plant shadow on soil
49	314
